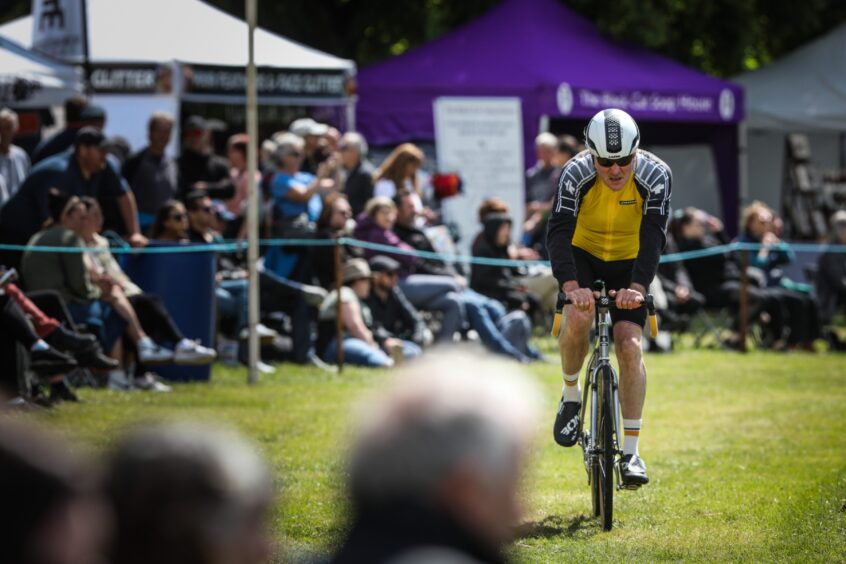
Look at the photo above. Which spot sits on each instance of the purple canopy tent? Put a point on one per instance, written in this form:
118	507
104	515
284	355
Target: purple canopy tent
561	67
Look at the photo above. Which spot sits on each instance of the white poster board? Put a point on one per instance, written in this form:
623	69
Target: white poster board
128	115
481	139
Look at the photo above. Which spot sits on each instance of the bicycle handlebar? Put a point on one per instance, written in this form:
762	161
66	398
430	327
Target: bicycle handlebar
605	302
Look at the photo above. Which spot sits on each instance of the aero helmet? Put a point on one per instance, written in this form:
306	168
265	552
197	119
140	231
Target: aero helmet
612	134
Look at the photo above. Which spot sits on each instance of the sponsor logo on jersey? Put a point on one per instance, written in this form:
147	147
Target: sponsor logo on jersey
628	202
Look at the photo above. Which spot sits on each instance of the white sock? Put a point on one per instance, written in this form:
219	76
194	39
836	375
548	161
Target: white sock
39	345
571	391
184	344
631	433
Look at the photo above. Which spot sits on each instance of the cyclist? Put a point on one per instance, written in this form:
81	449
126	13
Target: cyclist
608	222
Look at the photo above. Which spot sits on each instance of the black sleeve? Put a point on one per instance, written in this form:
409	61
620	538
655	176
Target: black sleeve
130	167
220	186
832	269
559	236
653	226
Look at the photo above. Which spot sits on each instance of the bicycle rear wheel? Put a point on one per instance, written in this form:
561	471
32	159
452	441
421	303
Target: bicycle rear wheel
605	446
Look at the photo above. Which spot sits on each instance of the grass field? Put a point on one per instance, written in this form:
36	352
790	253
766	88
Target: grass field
747	456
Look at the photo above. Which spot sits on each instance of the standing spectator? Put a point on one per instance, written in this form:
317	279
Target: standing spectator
831	279
540	188
312	134
14	162
435	469
398	171
393	314
64	138
199	168
83	172
151	173
358	171
360	344
236	151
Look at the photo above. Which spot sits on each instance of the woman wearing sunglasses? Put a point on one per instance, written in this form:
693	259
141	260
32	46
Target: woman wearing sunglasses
608	222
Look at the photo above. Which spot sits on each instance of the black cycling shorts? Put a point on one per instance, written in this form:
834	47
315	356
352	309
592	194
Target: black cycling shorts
617	274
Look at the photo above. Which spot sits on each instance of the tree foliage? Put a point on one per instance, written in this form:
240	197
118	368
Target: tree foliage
721	37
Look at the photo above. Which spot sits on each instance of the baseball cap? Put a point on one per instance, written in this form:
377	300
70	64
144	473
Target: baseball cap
307	126
195	123
90	136
355	269
839	219
92	113
381	263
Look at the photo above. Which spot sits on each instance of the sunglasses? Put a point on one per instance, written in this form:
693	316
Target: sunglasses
206	209
621	162
177	217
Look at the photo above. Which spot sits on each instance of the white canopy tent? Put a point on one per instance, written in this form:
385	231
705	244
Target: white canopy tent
29	80
802	92
156	54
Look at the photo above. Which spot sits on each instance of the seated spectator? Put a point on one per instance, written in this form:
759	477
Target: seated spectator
435	469
399	171
51	510
500	282
171	223
801	309
831	280
82	172
393	314
335	221
14	162
200	170
98	303
445	294
314	148
151	172
717	277
683	301
183	493
357	170
151	312
360	344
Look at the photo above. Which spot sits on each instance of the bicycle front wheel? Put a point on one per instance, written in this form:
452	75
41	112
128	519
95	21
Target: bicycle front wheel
605	446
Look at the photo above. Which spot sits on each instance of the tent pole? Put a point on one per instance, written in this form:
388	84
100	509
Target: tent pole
252	199
350	114
86	58
742	166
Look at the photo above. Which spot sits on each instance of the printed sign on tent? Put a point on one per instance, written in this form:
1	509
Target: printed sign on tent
57	28
482	140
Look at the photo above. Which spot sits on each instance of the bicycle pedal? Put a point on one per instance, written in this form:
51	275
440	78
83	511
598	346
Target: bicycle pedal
631	487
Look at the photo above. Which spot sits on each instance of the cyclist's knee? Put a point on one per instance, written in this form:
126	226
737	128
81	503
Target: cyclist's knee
628	346
576	321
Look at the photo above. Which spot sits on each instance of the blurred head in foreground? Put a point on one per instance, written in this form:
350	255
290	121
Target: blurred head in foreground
438	461
185	493
50	512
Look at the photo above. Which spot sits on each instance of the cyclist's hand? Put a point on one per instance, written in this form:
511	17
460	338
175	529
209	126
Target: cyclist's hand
581	298
626	298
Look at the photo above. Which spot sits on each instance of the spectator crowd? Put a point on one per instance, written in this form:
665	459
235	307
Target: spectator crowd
79	312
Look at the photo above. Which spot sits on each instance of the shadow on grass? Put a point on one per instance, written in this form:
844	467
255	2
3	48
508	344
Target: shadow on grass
554	526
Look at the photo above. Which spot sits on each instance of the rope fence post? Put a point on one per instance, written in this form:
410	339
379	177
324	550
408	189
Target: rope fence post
339	324
744	299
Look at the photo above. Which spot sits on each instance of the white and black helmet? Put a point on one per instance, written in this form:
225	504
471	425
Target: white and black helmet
612	134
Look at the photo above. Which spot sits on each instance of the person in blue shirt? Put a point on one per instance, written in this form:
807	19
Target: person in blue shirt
82	171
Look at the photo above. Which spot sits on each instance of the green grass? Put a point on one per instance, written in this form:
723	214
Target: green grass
746	456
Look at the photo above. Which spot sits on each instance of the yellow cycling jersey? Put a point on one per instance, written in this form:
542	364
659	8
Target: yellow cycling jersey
608	224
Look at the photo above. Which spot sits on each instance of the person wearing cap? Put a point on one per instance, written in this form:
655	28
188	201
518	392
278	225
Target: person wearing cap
831	279
394	316
357	177
81	172
78	114
608	222
199	168
151	172
311	133
361	347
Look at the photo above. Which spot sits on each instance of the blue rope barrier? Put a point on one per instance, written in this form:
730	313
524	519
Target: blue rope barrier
235	246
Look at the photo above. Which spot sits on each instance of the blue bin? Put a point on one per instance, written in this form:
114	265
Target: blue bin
185	282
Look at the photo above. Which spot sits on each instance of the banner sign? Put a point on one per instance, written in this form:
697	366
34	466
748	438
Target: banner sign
270	82
481	139
18	90
587	101
131	79
57	28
